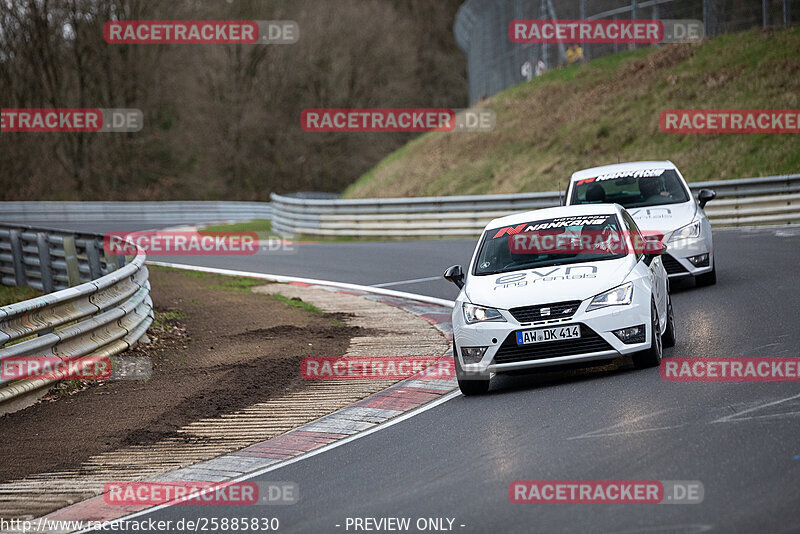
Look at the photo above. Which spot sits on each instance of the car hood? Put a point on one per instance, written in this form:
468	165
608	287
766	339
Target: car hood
578	281
664	219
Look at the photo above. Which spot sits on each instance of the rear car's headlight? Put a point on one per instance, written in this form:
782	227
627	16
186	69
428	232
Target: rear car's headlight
685	232
619	296
701	260
479	314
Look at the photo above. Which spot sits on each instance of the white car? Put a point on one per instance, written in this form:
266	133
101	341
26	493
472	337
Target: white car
528	308
656	195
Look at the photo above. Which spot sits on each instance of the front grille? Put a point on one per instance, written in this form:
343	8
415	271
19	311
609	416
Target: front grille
589	341
558	310
672	266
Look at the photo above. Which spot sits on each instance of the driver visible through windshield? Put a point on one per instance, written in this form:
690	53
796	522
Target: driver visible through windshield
572	239
631	189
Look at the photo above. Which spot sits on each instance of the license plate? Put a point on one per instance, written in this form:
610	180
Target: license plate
543	335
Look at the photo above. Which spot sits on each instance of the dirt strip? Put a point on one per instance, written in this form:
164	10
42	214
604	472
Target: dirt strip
226	375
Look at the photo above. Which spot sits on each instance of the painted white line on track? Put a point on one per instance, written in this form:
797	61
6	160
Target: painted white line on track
404	282
312	281
612	430
737	416
325	448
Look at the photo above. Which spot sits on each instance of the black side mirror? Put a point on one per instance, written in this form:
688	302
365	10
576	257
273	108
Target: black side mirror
653	248
706	195
455	274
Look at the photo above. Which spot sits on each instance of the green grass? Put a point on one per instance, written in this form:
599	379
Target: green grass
235	283
298	303
262	227
218	281
11	295
187	272
608	109
162	318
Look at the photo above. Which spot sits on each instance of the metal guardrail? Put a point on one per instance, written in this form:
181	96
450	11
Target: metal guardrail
747	201
156	213
102	305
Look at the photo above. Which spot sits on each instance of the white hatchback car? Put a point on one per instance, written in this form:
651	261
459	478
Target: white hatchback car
660	201
521	308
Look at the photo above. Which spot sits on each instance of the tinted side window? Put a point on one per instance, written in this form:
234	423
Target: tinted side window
632	228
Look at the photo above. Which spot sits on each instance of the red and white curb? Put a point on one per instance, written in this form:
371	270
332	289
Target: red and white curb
376	412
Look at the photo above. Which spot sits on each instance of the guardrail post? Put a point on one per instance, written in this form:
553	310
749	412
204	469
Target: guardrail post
93	256
45	267
71	259
16	258
111	262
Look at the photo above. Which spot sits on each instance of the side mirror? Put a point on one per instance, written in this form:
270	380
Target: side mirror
706	195
455	274
653	248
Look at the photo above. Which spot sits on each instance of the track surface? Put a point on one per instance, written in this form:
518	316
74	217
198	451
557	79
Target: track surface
741	440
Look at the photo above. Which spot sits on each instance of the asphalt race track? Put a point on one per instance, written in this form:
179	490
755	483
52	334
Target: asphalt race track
741	440
456	460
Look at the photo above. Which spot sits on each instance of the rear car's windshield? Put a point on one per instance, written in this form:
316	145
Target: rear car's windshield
500	253
631	189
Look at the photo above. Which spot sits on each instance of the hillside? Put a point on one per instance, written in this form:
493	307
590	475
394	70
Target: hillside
592	114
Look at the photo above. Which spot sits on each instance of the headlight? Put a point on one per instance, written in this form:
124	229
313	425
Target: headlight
479	314
690	230
619	296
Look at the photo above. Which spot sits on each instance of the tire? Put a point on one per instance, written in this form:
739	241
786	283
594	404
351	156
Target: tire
469	385
652	356
706	279
668	339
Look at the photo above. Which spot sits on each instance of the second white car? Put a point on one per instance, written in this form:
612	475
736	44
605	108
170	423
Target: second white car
659	200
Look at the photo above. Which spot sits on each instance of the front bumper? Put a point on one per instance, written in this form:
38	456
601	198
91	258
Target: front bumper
677	262
597	341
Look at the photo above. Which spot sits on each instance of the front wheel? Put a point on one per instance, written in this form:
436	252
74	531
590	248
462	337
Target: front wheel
652	356
468	383
668	339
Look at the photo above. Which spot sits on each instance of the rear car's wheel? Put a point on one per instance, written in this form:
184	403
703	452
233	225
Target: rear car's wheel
668	339
707	279
469	383
652	356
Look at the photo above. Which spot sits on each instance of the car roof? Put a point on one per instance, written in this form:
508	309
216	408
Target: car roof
552	213
621	167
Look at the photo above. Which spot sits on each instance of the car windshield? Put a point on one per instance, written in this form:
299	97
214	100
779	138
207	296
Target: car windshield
631	189
506	249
